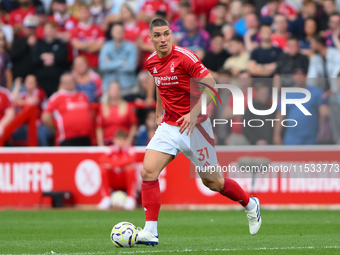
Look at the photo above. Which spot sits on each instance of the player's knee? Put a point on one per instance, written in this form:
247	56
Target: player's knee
148	175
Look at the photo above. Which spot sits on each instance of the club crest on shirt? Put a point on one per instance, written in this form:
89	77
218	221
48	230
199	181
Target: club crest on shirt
172	67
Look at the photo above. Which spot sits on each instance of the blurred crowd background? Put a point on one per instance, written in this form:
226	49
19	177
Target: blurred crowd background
82	65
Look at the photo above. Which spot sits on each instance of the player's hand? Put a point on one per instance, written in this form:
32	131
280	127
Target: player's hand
188	123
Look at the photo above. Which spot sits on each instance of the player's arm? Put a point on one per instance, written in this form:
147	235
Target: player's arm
159	109
150	91
208	80
189	120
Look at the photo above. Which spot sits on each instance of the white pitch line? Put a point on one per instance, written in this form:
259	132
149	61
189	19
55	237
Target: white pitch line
226	250
188	250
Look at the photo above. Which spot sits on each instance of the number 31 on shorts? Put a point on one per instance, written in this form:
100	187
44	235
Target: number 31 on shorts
203	153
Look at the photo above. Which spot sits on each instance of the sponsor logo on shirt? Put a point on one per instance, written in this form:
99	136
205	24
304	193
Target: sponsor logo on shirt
76	105
166	80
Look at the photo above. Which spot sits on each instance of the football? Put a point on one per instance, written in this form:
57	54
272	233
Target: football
124	235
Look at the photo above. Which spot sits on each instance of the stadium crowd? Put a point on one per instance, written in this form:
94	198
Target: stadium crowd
64	56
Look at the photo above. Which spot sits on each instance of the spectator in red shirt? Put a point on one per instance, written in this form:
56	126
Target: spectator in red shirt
65	22
118	172
115	114
7	111
74	8
87	37
87	81
68	111
150	7
278	6
16	17
132	27
31	95
280	36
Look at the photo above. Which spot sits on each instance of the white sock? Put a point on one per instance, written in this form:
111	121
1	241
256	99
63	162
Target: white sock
151	226
251	205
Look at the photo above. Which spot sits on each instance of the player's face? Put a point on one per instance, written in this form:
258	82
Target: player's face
161	38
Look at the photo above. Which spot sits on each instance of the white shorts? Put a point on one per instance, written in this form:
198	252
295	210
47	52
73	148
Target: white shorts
198	147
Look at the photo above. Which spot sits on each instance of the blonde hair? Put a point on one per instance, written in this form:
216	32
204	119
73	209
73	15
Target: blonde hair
122	104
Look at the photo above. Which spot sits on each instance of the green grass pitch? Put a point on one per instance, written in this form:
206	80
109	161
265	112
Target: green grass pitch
181	232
